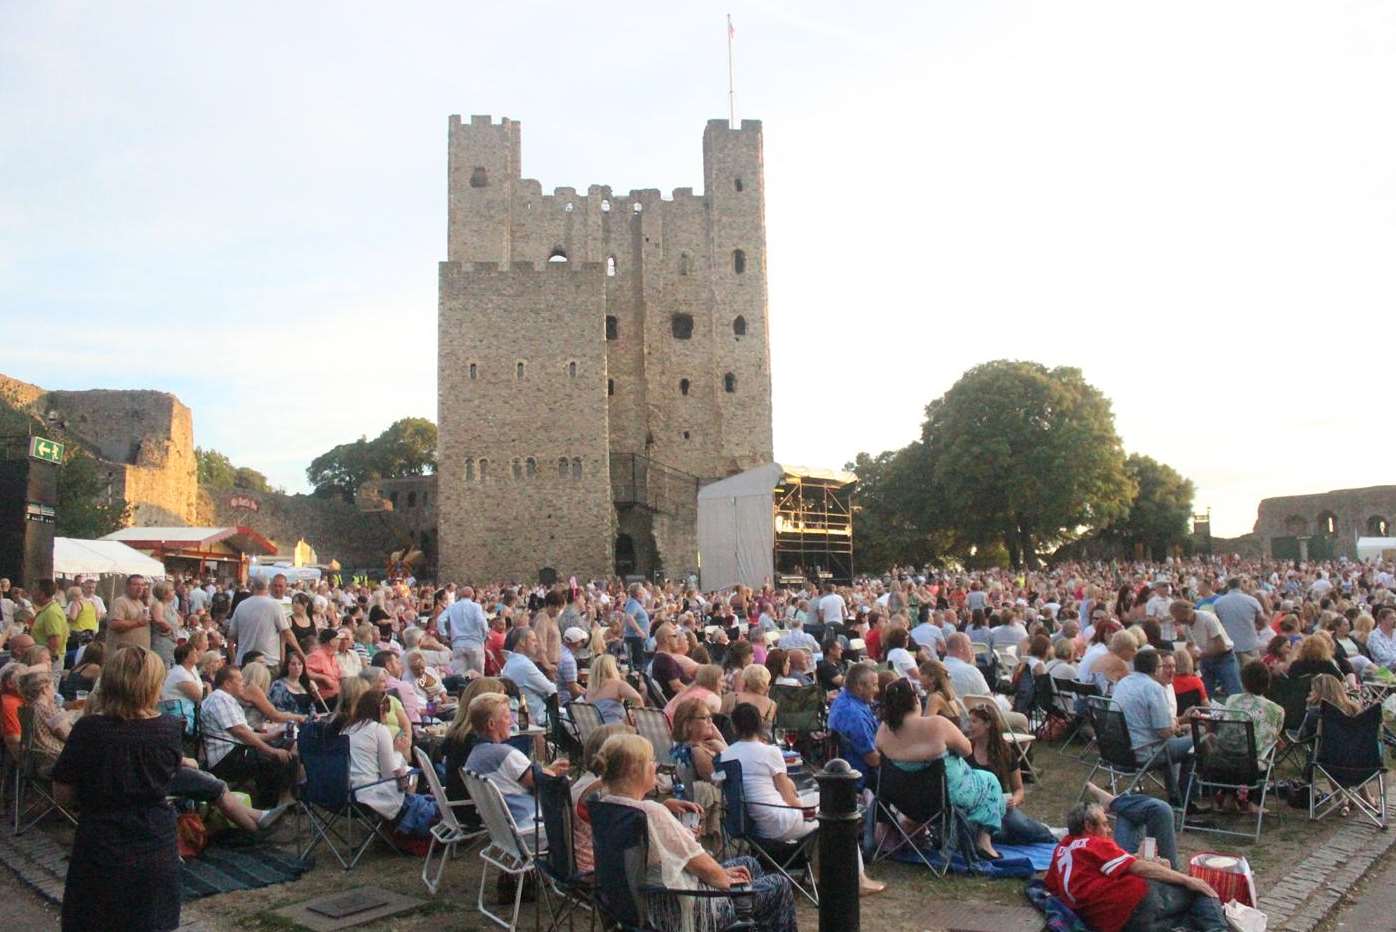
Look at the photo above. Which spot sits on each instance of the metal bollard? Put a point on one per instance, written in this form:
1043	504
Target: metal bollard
840	834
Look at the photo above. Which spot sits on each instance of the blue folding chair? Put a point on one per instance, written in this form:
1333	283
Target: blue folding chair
559	862
738	827
620	842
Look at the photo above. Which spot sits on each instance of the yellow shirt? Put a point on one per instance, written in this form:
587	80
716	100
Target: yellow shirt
87	617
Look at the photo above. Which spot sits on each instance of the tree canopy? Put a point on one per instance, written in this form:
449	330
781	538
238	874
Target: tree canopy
86	510
1158	515
216	471
406	448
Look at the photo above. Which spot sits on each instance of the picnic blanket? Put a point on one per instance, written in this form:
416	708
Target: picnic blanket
222	869
1017	860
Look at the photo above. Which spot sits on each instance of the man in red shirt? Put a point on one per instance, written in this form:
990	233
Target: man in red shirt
1113	891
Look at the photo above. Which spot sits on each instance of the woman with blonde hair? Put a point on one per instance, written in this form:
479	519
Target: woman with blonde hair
706	686
678	861
256	681
589	784
608	691
753	687
461	739
118	766
697	744
1361	628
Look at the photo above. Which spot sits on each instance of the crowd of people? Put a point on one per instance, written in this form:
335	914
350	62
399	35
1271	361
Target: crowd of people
910	664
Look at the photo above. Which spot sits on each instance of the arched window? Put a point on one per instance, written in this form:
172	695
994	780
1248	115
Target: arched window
571	370
411	499
605	206
1377	526
729	383
479	178
610	266
682	326
737	183
576	467
484	469
474	371
625	555
739	326
738	261
469	469
1327	523
610	387
562	468
531	468
518	371
557	255
683	386
685	263
517	467
612	327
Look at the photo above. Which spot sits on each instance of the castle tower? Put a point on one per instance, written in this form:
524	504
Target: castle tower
603	355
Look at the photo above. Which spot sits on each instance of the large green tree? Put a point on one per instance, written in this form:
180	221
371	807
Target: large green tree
216	471
889	516
406	448
1024	455
1158	515
86	508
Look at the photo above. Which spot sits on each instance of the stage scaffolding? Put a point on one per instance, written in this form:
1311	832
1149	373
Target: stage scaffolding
814	525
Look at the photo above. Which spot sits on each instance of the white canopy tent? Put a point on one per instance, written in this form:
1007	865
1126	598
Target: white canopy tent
73	558
1375	548
736	528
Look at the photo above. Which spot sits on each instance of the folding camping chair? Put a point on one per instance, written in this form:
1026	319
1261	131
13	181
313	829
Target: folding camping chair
32	776
654	692
562	736
1021	742
738	827
586	718
1348	755
1292	695
1077	694
509	852
653	726
1118	757
559	863
448	832
921	797
328	799
1046	705
1226	759
801	709
620	842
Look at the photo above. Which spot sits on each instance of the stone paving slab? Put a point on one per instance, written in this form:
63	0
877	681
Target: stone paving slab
391	904
38	861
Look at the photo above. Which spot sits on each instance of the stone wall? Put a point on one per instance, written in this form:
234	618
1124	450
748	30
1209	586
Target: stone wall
680	323
336	529
1328	523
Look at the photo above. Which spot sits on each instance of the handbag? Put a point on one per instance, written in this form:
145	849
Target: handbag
191	837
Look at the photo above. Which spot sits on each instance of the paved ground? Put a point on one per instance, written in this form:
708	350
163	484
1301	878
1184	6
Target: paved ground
1372	904
23	908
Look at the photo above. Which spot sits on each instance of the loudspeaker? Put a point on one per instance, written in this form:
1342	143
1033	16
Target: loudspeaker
28	513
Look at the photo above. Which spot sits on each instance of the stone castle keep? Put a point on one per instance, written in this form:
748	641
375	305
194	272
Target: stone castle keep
601	356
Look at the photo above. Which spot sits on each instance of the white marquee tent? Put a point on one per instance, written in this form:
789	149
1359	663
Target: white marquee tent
73	558
736	528
1375	548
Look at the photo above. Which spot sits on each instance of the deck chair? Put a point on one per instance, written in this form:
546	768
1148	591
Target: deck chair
738	828
1226	759
327	799
561	733
620	840
510	851
1118	758
1292	695
1348	756
801	709
32	778
1020	742
572	888
1189	700
653	726
922	798
586	718
448	832
1076	694
654	692
1046	705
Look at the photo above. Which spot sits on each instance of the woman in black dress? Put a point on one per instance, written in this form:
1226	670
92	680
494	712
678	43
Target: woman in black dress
123	872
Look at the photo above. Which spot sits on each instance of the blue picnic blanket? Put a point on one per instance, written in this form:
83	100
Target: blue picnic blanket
1019	861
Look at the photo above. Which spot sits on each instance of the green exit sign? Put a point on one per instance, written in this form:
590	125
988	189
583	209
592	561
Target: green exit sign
50	451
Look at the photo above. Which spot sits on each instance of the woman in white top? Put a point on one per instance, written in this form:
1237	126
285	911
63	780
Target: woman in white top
372	761
183	681
898	657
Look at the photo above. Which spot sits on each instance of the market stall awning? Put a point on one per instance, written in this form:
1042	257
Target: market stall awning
73	558
242	539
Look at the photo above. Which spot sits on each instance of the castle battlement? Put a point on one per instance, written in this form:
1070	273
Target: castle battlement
518	267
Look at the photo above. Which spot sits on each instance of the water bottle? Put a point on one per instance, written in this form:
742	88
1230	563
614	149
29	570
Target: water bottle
679	789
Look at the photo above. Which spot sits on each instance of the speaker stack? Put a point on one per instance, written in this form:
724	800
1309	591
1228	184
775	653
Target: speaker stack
28	514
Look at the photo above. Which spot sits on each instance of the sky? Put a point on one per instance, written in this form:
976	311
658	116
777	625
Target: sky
1192	202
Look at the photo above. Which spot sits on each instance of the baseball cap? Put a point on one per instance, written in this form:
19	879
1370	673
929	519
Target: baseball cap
574	635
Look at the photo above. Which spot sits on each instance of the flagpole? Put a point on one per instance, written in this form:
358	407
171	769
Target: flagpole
731	80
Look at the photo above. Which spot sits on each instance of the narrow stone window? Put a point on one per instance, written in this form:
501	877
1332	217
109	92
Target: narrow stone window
411	499
683	386
518	372
685	435
605	206
729	383
610	266
610	386
469	469
484	469
474	371
739	326
531	468
685	263
479	178
562	469
392	497
572	370
424	499
737	183
738	261
576	467
517	467
557	255
612	327
638	207
682	325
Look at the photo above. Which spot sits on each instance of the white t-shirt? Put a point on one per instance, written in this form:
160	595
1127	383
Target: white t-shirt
177	675
371	758
901	661
257	625
831	609
760	763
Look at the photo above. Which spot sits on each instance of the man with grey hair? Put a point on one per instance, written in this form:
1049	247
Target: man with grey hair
1111	890
851	718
